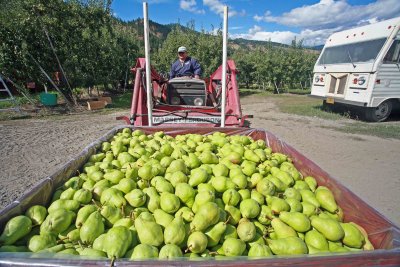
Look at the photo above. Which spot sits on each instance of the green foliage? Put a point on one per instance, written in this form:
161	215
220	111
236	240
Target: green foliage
203	46
275	65
93	47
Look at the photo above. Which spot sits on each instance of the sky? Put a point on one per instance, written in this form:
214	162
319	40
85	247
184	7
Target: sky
276	20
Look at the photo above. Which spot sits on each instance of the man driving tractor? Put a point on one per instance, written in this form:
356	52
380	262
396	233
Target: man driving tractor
185	65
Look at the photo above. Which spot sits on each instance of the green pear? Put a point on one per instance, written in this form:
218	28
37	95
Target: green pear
259	250
220	170
92	228
92	253
288	246
311	182
230	232
277	204
64	204
113	197
98	243
220	183
331	229
144	251
214	233
295	205
197	242
170	251
240	181
175	232
149	232
169	202
126	222
352	236
251	156
37	214
162	218
255	179
326	199
114	176
176	178
84	196
257	197
185	193
298	221
301	185
197	176
186	213
266	215
16	228
337	247
308	209
248	167
42	241
208	157
279	185
233	247
153	202
68	193
110	214
136	198
266	187
126	185
246	230
249	208
117	242
231	197
233	214
292	193
285	177
317	240
207	215
57	222
307	195
281	229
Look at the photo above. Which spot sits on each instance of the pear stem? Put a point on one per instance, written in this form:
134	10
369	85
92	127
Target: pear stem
112	261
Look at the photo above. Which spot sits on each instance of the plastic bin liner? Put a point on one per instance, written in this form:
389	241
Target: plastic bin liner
384	235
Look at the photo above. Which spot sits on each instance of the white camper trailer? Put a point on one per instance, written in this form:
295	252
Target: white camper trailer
360	67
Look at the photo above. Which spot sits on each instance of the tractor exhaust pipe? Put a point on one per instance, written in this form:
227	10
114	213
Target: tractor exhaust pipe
148	69
224	55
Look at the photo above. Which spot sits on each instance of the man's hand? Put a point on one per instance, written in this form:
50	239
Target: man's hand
196	76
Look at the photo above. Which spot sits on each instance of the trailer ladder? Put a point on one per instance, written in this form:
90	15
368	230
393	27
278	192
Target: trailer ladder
10	97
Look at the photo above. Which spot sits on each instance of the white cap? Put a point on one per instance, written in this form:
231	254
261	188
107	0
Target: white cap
182	49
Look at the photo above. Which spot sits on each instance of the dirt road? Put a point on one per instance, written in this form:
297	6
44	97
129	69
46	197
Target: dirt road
35	148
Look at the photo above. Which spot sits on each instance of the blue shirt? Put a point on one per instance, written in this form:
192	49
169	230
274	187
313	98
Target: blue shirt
190	67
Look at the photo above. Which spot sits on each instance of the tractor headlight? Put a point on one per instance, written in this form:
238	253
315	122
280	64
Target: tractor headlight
198	101
175	100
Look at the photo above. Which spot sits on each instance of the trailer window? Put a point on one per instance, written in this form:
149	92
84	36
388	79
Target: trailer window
393	54
355	52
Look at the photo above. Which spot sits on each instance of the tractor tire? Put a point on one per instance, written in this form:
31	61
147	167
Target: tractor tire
379	113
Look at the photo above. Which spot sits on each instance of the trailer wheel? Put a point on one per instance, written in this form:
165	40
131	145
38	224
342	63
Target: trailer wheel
379	113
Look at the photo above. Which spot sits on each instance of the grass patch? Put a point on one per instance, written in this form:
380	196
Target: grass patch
304	106
300	91
247	92
122	101
382	129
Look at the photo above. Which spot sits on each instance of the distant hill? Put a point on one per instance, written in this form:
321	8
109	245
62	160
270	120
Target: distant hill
159	32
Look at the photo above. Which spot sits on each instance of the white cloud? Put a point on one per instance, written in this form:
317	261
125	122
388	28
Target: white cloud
331	13
191	6
309	37
217	7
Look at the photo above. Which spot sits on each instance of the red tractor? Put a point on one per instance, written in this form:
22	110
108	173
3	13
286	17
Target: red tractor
184	100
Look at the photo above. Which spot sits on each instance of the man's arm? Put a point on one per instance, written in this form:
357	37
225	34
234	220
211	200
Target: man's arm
196	68
172	73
